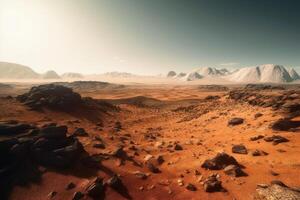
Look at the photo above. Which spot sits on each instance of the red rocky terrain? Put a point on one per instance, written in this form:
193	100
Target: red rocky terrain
91	140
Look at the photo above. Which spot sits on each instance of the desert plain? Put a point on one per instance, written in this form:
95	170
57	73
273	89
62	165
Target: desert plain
149	141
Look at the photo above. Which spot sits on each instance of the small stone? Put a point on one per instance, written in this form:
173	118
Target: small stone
259	153
178	147
78	196
140	175
180	182
70	186
274	173
235	121
148	157
191	187
80	132
257	115
240	149
52	194
160	159
115	182
233	170
258	137
212	184
152	168
95	189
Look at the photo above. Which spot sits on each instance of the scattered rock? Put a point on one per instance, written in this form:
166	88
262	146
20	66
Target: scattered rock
52	194
212	184
118	126
235	121
257	152
276	139
99	145
257	115
115	182
285	125
96	188
257	137
180	182
240	149
178	147
274	173
12	128
160	159
152	168
191	187
220	161
233	170
78	196
148	157
70	186
80	132
140	175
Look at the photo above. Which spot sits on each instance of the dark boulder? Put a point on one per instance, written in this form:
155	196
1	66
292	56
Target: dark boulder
235	121
78	196
115	182
54	132
220	161
276	139
178	147
12	128
285	125
152	168
240	149
96	188
212	184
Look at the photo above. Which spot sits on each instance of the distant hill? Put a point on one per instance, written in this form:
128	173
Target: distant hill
16	71
72	75
171	74
269	73
211	71
51	75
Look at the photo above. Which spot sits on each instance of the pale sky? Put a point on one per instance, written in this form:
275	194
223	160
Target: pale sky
148	36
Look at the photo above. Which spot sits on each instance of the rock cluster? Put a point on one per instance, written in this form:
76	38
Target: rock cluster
50	95
48	146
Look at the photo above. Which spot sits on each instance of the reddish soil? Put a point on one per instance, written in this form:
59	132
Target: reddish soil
199	126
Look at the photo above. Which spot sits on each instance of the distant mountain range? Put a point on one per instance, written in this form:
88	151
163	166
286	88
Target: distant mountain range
17	71
268	73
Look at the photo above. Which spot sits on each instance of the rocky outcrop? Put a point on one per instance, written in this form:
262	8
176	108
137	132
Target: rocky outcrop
52	96
276	191
22	153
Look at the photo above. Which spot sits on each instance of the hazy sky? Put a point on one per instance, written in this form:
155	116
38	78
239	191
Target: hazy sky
148	36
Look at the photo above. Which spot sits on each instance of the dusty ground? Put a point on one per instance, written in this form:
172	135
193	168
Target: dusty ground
199	126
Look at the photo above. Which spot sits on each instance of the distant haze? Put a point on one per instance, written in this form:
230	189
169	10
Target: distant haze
148	36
